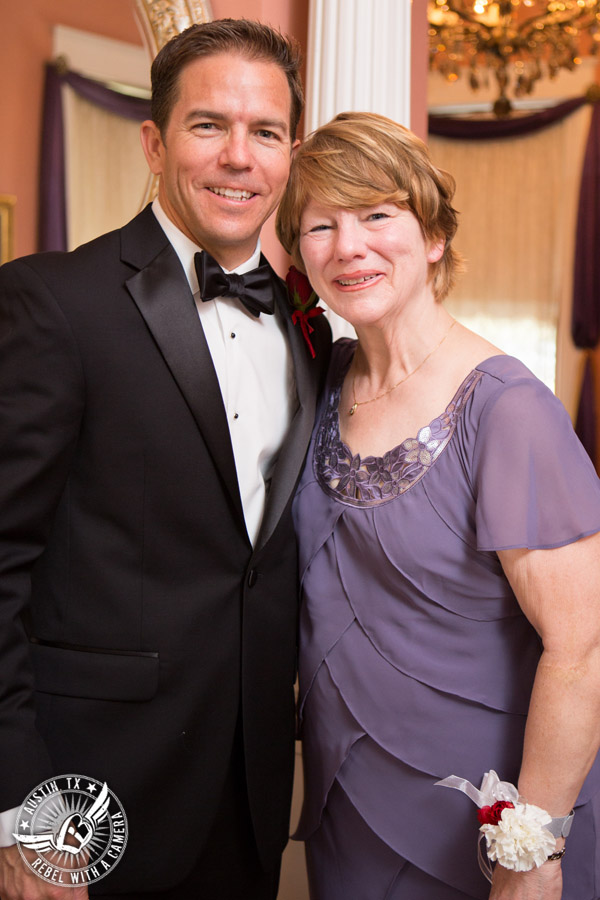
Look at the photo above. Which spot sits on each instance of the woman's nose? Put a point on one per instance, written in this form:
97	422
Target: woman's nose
349	242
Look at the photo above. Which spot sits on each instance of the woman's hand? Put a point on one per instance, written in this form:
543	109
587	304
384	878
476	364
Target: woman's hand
544	883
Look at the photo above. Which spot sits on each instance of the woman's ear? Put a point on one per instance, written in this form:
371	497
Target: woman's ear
435	250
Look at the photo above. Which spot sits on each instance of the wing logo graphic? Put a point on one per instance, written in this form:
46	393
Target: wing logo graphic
73	828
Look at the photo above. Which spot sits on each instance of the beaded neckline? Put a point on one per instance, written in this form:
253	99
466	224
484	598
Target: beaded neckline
378	479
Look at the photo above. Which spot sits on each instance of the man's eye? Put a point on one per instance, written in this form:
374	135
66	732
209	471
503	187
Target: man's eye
269	135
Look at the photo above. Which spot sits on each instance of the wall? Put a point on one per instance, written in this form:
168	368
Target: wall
291	17
25	45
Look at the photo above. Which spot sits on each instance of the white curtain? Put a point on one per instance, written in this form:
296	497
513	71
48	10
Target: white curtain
517	199
106	172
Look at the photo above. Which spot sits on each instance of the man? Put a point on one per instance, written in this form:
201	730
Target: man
150	441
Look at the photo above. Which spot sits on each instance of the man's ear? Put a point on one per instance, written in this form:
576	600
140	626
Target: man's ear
295	146
152	145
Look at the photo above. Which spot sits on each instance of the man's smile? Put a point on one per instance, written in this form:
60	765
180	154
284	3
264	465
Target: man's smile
231	193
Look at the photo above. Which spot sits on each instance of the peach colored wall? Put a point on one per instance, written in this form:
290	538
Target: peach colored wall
25	45
291	16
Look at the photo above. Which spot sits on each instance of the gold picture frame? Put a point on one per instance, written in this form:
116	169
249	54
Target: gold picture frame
7	233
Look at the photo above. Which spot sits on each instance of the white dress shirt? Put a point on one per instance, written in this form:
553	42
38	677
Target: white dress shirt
254	366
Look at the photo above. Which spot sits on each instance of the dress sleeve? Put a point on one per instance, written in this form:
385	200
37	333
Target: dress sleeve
535	485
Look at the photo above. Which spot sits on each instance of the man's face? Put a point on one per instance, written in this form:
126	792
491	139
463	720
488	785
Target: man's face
225	157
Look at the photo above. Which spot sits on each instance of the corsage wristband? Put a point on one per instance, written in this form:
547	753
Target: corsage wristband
518	835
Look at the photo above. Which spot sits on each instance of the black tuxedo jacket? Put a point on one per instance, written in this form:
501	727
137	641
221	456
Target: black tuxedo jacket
136	619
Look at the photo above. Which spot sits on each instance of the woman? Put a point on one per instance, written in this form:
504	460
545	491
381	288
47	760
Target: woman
451	585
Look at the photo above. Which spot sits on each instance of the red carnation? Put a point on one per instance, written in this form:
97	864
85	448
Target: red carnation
304	300
491	815
300	290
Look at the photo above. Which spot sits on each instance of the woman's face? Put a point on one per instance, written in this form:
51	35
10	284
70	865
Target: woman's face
368	265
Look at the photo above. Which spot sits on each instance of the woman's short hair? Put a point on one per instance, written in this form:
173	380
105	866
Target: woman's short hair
359	160
252	40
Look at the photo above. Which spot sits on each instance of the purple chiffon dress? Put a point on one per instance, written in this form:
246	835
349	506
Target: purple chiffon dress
416	661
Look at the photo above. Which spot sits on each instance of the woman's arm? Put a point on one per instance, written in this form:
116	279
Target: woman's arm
559	592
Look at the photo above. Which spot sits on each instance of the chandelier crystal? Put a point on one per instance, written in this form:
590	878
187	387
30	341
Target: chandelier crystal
517	41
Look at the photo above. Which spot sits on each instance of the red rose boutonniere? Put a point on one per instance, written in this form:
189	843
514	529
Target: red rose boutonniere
304	300
491	815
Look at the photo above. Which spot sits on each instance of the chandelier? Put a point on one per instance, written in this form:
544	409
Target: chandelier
518	41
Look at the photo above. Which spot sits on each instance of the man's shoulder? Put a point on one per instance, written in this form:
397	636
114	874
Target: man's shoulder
96	258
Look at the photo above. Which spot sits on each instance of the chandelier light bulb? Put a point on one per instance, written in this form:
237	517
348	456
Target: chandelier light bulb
517	41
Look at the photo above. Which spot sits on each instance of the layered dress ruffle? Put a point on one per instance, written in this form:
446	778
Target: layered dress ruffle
416	661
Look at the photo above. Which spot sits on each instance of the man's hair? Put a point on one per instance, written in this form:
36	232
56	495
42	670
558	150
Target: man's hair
249	39
359	160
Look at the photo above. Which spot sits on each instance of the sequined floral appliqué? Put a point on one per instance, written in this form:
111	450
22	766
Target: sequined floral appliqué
378	479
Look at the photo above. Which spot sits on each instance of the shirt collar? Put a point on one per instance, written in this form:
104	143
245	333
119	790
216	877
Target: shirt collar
186	248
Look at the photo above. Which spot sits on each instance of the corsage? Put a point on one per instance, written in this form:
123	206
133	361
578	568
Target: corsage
518	835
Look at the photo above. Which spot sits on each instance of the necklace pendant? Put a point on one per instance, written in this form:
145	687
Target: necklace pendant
352	409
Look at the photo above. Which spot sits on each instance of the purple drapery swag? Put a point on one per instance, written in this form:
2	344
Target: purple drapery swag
586	285
492	129
53	212
586	281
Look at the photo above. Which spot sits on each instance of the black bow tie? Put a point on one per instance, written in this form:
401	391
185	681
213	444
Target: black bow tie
254	289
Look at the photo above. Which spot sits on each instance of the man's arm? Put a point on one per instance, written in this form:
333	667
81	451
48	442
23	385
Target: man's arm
41	403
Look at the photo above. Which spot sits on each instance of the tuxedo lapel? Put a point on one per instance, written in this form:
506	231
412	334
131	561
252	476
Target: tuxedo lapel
293	450
163	297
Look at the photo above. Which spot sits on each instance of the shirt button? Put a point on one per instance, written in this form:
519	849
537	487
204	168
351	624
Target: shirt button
252	578
236	415
232	335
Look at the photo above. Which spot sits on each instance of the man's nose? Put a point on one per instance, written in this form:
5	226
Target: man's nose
236	151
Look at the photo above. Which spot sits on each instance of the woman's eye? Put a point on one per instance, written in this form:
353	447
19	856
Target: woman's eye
318	228
378	215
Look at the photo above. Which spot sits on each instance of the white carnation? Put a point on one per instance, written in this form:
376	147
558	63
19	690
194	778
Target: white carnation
520	841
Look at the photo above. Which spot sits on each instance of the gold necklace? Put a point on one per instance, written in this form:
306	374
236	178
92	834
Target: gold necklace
358	403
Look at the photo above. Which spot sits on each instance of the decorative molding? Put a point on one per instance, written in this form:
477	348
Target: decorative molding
161	20
7	206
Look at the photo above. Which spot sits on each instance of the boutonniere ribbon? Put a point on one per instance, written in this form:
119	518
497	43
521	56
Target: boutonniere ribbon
304	300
